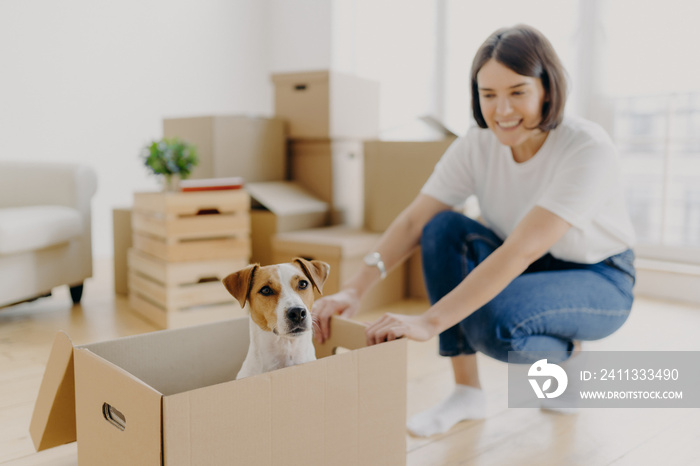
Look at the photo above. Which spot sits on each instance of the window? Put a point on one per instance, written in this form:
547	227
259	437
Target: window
651	88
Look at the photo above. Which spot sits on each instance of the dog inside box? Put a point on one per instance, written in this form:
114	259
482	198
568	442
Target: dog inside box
170	398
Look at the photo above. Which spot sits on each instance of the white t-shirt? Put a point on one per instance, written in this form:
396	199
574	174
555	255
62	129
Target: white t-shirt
575	174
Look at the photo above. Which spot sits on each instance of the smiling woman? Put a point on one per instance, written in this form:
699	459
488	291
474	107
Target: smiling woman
551	263
518	89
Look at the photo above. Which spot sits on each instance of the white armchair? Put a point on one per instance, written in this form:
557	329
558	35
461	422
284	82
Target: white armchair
45	229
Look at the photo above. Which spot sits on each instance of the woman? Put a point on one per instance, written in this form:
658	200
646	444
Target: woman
552	263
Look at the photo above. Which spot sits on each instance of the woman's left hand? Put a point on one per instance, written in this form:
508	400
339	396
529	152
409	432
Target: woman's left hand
392	326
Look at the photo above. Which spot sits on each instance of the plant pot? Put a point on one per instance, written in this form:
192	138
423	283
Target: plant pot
171	183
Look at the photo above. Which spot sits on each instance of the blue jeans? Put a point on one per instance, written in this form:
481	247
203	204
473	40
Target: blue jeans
547	307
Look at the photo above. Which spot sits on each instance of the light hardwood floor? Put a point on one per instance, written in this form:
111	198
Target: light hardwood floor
507	436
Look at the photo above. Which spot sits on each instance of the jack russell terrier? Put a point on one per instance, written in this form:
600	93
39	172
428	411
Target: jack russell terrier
278	299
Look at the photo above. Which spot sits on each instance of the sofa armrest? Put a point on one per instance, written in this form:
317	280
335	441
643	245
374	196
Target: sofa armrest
39	183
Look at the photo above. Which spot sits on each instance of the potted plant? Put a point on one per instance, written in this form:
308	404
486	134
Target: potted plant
173	158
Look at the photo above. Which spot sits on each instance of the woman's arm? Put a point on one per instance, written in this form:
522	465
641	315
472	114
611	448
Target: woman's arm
395	245
531	239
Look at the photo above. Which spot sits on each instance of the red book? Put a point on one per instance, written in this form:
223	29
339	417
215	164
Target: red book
211	184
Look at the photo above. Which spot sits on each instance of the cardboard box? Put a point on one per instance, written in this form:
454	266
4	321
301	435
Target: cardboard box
121	228
325	104
415	283
169	398
192	226
388	190
333	171
249	147
343	248
278	207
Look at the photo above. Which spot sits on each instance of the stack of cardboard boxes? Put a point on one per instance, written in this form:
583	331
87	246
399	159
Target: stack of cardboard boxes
321	183
330	115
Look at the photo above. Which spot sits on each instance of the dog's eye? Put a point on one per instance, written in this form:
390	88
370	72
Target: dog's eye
266	291
303	284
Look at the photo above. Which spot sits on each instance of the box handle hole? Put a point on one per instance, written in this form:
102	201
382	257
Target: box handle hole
300	87
208	211
114	416
208	279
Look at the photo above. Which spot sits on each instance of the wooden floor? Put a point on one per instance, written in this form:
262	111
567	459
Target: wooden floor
507	436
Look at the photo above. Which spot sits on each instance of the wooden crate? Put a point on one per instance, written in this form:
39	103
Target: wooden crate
196	226
177	294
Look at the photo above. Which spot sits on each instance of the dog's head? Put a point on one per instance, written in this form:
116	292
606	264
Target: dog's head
279	297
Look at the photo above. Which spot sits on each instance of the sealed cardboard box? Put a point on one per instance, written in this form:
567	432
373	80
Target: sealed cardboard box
122	235
278	207
415	283
327	104
249	147
170	398
343	248
333	171
395	172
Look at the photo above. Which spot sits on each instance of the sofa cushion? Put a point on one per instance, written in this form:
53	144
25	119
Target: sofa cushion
35	227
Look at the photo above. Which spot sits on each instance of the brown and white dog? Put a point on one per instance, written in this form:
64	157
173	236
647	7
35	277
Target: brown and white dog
279	300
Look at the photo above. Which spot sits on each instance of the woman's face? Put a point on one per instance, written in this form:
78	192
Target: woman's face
512	105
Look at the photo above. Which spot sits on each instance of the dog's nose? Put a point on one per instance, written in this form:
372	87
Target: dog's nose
296	315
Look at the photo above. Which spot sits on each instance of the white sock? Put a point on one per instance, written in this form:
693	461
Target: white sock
464	403
567	402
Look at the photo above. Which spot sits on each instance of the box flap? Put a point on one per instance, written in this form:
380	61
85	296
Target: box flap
285	198
424	128
437	125
53	420
345	333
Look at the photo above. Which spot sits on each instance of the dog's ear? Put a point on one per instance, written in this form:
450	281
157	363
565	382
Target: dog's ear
317	271
239	283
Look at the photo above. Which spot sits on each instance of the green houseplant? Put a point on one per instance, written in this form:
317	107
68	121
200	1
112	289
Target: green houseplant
171	158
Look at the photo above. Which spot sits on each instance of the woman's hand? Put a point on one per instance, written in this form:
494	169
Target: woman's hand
392	326
345	302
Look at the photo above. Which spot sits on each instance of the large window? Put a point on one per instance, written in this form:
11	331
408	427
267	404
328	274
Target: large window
632	69
650	88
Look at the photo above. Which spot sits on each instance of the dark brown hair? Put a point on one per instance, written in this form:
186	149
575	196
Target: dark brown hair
526	51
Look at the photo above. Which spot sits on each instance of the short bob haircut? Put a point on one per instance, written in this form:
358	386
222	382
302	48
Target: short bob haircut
526	51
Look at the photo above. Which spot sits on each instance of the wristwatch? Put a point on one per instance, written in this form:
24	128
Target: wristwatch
374	259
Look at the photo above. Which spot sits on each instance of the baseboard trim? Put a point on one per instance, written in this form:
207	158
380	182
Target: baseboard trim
668	280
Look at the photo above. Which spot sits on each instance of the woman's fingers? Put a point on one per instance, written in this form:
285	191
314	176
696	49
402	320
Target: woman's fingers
327	307
389	327
323	310
393	326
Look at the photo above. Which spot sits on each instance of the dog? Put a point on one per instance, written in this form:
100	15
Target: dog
278	299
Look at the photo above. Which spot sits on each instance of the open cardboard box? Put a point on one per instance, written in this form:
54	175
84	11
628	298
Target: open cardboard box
170	398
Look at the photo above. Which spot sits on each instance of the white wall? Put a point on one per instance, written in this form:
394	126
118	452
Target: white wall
89	82
300	35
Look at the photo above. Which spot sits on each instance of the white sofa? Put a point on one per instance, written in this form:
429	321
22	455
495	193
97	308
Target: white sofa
45	229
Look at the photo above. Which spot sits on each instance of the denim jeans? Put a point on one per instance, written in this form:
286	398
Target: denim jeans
547	307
